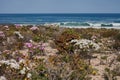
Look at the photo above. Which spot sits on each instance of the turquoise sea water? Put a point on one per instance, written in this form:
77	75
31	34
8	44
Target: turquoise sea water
62	19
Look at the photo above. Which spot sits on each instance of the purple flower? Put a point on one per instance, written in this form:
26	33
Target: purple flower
29	45
42	47
2	34
19	58
30	51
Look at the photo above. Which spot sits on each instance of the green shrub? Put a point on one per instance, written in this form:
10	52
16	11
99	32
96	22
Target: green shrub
40	72
36	38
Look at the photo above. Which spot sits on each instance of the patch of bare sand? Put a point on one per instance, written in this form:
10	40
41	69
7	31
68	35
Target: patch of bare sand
101	64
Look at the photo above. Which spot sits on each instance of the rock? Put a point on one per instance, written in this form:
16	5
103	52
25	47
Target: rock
18	34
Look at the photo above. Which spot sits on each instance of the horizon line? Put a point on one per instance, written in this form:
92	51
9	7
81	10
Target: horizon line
61	13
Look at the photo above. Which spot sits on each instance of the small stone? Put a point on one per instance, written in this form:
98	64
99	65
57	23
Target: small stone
18	34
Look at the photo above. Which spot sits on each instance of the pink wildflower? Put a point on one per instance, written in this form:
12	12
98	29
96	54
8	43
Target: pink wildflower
19	58
34	47
42	47
6	26
34	28
2	34
17	25
31	51
7	51
29	45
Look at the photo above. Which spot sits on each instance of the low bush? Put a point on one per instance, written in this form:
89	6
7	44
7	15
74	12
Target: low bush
69	67
109	33
62	41
116	45
118	58
117	36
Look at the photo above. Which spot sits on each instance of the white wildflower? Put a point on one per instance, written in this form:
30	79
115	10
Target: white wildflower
85	44
22	61
75	40
27	68
12	63
2	78
23	71
29	75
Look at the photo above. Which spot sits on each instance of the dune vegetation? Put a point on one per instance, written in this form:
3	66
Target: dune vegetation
56	53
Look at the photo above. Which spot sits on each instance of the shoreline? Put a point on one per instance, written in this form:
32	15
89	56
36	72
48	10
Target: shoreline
55	25
95	27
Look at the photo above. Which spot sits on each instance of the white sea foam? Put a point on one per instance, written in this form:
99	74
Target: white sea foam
81	25
92	25
116	24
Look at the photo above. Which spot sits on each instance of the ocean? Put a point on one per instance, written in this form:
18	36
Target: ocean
91	19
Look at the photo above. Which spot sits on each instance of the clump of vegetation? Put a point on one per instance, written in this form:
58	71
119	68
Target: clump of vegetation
117	36
104	57
116	45
69	67
118	58
112	74
37	38
109	33
85	47
88	33
30	52
63	40
40	71
63	67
